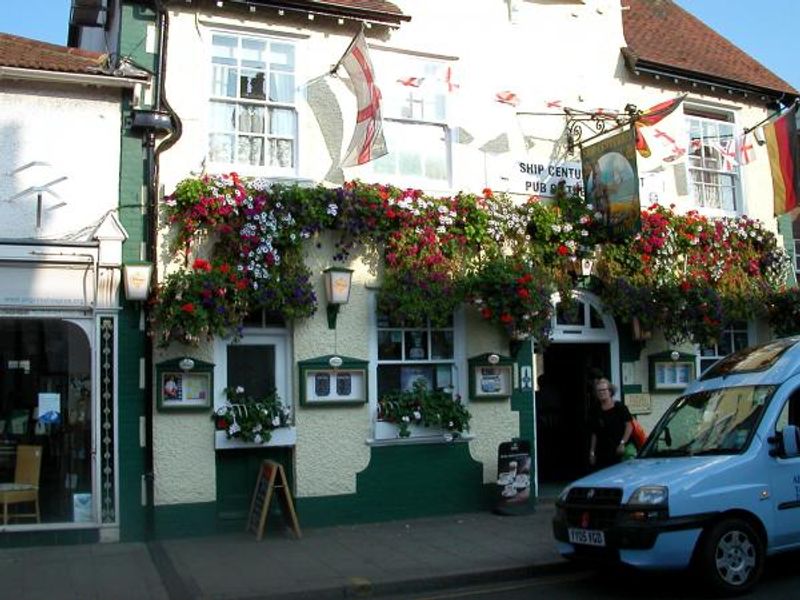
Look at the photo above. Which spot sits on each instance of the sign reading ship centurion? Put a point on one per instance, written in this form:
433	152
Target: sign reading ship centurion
542	178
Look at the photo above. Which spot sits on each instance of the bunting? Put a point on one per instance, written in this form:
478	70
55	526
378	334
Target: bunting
782	146
368	142
650	117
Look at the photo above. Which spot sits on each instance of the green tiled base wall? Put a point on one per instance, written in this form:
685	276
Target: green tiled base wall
400	482
49	538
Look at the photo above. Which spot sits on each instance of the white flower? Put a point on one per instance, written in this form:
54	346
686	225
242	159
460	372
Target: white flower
234	428
257	428
258	439
276	421
332	209
449	423
417	415
406	419
239	389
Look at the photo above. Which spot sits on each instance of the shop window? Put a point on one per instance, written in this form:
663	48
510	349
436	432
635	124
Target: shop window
252	118
46	411
734	337
407	354
414	97
713	169
797	256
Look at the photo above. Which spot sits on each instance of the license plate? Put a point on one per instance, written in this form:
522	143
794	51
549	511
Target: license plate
587	537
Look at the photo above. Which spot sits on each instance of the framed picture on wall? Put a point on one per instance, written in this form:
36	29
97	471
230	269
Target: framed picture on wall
184	388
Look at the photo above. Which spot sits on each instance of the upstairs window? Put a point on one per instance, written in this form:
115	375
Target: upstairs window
713	169
414	96
735	337
252	107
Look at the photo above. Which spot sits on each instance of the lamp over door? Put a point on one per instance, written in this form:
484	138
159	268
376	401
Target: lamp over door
338	282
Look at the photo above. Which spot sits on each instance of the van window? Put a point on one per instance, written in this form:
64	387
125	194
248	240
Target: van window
790	414
750	360
710	422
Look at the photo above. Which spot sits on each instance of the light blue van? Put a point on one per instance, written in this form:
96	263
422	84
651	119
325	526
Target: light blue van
716	486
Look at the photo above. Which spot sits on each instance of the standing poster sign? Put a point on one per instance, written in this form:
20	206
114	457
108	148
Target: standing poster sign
611	182
513	477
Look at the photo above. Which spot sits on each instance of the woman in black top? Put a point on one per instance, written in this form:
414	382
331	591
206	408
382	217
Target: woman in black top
610	426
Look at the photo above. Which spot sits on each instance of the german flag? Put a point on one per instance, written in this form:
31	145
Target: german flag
784	160
651	116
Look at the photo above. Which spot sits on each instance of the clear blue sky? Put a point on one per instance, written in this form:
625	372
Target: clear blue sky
765	29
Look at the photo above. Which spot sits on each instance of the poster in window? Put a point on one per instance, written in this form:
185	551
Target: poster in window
344	384
322	385
411	375
492	381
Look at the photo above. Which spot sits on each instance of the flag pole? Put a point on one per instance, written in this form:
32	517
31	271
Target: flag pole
335	67
770	117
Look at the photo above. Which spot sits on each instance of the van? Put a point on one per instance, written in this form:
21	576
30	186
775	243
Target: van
716	486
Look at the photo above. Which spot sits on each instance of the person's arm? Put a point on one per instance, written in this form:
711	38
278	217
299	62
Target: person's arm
592	447
626	435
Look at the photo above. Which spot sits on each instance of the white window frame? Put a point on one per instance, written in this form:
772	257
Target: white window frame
705	116
245	167
387	75
709	359
384	432
280	338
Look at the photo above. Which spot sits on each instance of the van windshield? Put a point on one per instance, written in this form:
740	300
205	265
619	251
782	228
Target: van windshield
711	422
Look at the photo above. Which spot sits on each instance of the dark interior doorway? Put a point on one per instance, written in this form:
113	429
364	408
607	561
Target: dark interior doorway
563	400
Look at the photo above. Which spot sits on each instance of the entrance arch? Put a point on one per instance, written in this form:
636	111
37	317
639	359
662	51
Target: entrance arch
584	345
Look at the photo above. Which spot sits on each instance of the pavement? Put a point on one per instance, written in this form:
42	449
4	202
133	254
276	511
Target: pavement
354	561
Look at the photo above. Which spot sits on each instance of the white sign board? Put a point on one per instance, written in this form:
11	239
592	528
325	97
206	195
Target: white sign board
539	178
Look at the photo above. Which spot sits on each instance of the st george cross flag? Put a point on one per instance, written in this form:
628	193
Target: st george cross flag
744	149
368	142
783	149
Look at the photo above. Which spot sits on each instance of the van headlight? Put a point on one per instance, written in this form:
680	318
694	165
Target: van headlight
650	495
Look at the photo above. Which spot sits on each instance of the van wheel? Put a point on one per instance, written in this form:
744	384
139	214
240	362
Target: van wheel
732	557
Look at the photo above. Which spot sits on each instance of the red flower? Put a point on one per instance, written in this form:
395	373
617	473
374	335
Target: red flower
563	250
506	318
241	284
222	424
486	312
523	293
224	268
201	265
487	192
188	308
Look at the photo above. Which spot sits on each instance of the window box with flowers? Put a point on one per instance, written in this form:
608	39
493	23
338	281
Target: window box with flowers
422	412
244	421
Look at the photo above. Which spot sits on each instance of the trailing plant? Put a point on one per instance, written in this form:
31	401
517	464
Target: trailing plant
251	419
421	406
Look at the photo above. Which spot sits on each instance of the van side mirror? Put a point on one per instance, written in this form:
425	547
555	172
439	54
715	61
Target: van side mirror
787	442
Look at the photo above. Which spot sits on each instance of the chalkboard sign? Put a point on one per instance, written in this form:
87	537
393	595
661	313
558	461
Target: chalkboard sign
271	476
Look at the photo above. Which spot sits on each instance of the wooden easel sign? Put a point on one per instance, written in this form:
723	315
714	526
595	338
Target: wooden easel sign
271	476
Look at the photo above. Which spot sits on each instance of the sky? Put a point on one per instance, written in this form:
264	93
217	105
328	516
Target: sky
765	29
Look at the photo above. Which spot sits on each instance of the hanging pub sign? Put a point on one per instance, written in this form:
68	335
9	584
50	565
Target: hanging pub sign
611	182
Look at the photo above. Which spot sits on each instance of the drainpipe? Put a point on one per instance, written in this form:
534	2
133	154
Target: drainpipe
160	119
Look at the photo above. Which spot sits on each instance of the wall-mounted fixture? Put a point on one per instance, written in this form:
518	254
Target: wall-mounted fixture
337	290
137	278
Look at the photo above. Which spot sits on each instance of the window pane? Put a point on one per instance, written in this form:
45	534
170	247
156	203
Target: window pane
595	320
254	53
282	58
417	374
223	81
252	84
250	150
281	87
416	345
251	119
253	368
223	49
282	122
220	148
221	116
444	377
441	344
390	345
281	153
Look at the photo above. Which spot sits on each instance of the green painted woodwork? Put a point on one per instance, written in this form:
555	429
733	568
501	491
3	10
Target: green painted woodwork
405	481
629	349
237	471
64	537
131	404
185	520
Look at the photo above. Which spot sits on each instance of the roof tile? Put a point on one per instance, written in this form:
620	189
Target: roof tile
661	32
25	53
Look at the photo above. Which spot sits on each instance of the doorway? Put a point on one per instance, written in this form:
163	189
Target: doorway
563	401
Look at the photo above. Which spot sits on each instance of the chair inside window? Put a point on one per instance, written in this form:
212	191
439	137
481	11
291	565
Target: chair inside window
25	487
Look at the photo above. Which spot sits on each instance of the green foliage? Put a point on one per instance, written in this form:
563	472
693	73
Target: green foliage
421	406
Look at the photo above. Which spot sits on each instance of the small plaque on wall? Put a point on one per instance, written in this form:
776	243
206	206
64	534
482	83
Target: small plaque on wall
184	384
639	404
491	377
333	380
